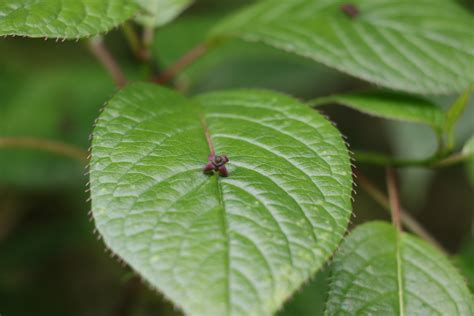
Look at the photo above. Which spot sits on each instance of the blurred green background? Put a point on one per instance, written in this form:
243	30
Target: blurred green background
50	261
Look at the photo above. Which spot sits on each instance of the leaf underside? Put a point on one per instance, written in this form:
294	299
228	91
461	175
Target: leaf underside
422	46
159	12
239	245
63	19
375	273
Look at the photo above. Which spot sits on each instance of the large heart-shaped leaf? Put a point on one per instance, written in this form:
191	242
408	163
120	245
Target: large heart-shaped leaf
159	12
390	105
378	271
423	46
238	245
63	18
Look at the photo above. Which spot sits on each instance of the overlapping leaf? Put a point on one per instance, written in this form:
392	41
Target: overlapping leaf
159	12
381	272
239	245
66	19
423	46
390	105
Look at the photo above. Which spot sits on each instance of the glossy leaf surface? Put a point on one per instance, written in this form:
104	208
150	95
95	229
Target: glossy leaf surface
159	12
239	245
423	46
379	271
65	19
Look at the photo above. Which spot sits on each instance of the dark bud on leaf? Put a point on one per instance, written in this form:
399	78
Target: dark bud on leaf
350	10
217	163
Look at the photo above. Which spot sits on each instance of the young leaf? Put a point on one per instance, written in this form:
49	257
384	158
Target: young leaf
236	245
159	12
422	46
65	19
390	105
382	272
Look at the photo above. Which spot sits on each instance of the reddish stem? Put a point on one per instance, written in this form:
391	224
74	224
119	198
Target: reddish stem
98	49
56	147
408	221
394	199
182	63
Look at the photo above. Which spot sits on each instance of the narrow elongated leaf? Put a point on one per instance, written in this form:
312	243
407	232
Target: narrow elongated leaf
159	12
391	105
378	271
423	46
65	19
238	245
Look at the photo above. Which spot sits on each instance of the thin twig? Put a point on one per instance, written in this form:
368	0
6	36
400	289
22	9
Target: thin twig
184	61
98	49
394	199
55	147
407	220
147	39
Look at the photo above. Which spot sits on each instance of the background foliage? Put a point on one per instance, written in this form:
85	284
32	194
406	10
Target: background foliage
49	256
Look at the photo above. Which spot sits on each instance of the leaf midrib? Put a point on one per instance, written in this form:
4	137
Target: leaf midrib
399	274
225	230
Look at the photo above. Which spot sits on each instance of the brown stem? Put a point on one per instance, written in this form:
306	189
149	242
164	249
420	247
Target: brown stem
148	34
56	147
98	49
394	199
408	221
184	61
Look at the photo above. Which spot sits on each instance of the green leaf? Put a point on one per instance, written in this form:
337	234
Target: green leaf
454	113
422	46
65	19
239	245
159	12
378	271
390	105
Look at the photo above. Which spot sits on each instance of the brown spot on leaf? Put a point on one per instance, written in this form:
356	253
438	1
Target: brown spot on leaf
350	10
